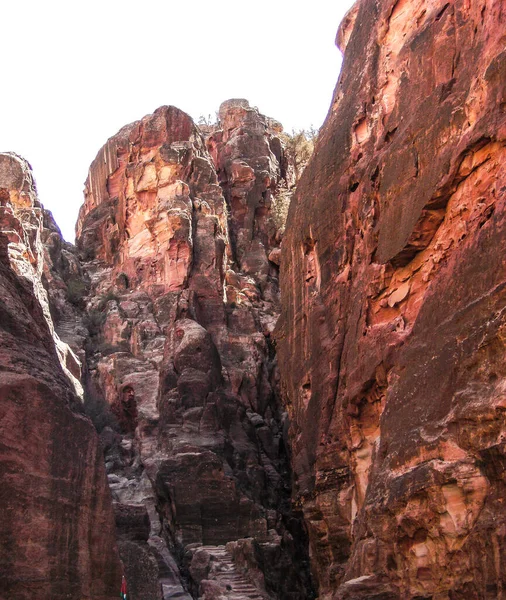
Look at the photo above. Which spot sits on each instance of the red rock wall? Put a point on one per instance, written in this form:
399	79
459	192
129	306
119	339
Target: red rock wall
183	299
391	338
57	536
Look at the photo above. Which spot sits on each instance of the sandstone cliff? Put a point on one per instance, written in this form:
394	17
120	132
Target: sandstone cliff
57	537
390	342
180	240
391	338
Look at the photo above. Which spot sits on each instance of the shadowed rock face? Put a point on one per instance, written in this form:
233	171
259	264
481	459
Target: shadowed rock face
182	302
57	538
391	338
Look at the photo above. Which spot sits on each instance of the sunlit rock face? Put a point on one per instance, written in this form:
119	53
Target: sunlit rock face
138	202
391	339
57	537
24	225
182	301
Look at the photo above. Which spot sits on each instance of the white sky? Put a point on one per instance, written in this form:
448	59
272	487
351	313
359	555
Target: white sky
75	72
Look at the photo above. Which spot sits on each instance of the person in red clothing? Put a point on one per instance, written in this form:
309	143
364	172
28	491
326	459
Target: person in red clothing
123	592
125	410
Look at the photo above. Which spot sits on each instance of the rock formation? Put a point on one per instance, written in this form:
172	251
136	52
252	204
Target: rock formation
161	327
391	338
57	537
181	247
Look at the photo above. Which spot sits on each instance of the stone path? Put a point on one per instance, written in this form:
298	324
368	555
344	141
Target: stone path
235	585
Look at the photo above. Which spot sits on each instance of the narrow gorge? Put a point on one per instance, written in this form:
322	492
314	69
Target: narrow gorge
240	384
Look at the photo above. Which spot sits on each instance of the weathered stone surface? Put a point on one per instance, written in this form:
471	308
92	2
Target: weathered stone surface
391	339
23	219
251	168
182	302
56	527
141	569
222	573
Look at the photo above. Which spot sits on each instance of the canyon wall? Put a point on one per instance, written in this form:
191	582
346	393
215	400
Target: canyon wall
57	536
391	340
179	236
160	327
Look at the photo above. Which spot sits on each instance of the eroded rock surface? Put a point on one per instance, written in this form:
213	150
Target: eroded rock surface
182	302
57	538
391	339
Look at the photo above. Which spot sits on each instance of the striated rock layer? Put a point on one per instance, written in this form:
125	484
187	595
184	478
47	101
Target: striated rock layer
392	335
181	247
57	537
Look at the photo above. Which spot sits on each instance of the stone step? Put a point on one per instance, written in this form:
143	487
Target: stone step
245	586
235	585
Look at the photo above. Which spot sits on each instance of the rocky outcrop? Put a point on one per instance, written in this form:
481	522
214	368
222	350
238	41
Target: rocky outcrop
57	537
24	225
253	172
178	244
391	339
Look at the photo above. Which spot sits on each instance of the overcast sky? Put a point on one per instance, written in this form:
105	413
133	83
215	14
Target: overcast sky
73	73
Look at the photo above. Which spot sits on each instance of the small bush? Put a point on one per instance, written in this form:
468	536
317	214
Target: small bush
76	291
280	206
94	320
299	147
102	303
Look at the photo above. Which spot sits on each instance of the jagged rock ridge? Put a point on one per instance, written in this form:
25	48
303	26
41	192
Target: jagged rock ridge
180	238
391	337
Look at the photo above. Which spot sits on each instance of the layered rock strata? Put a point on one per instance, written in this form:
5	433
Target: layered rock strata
391	338
183	300
57	537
